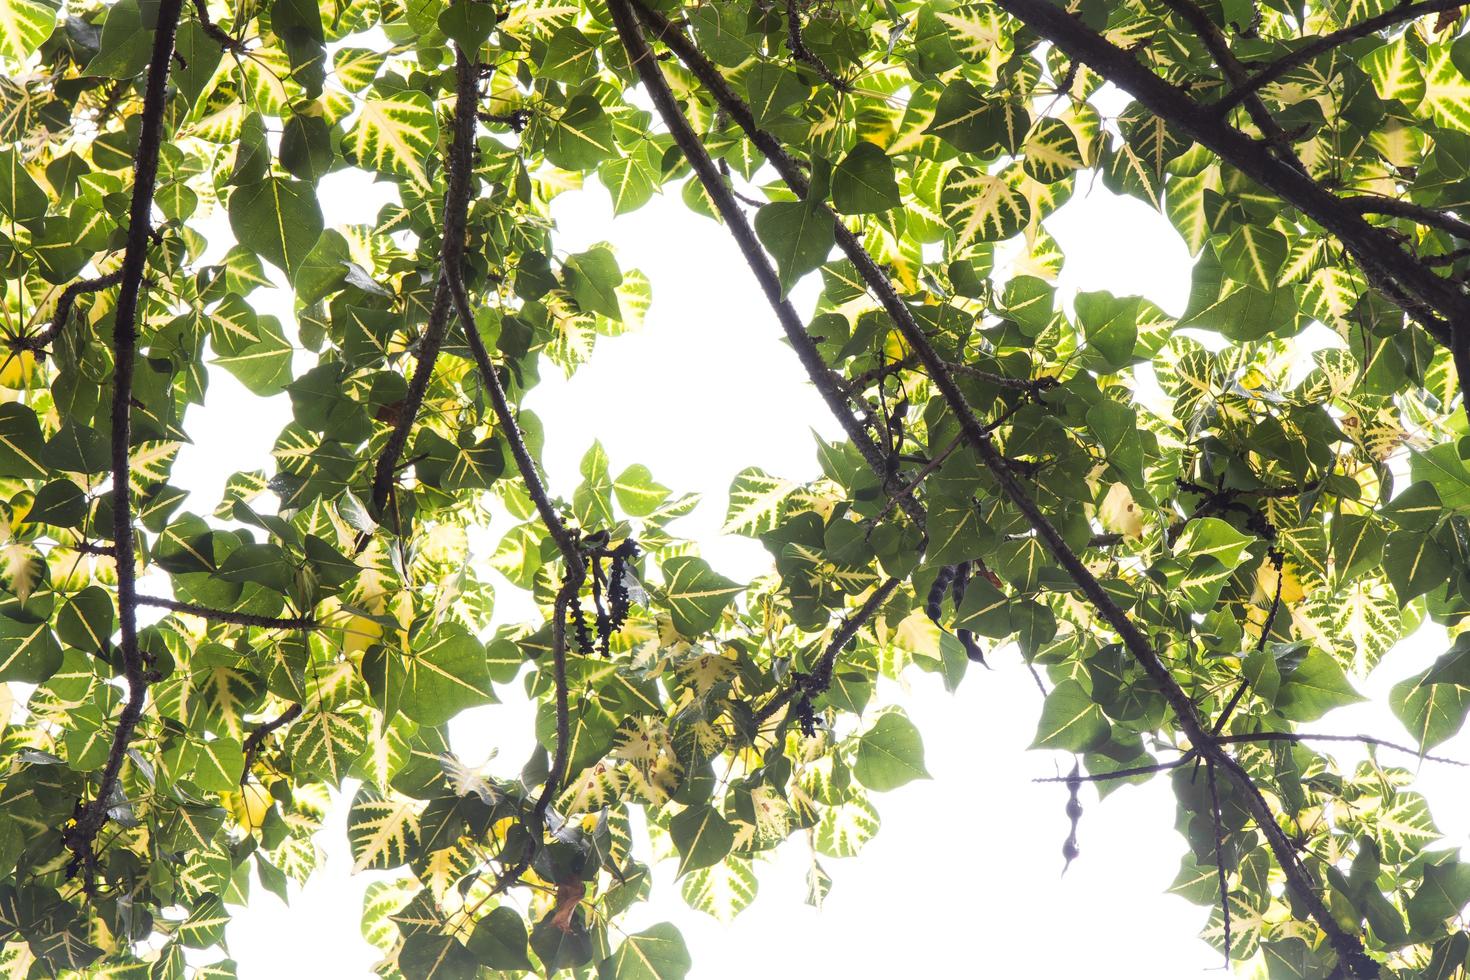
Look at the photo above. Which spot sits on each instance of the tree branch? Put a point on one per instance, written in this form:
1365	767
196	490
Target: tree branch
646	65
461	166
1381	257
820	677
263	731
38	343
386	470
802	53
220	36
1319	46
1295	737
1348	946
80	838
1418	213
226	616
1219	49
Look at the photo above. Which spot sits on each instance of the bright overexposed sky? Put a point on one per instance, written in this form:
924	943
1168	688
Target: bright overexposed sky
964	878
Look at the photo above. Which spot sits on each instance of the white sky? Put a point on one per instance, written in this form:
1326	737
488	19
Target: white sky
963	878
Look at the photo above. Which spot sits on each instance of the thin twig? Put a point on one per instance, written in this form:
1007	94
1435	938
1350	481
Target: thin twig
1220	858
1102	777
1319	46
226	616
260	733
1418	213
1312	737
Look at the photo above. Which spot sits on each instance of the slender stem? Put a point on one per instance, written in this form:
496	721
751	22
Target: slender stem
1295	737
1220	858
226	616
263	731
1348	945
1100	777
1319	46
81	837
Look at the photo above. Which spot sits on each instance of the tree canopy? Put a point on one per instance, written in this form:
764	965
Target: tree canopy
1197	532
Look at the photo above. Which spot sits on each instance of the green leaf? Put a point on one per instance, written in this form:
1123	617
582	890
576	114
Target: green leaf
981	207
24	25
1070	720
442	673
1313	687
1415	564
864	182
799	237
890	753
499	941
593	278
277	218
656	953
695	594
394	134
701	836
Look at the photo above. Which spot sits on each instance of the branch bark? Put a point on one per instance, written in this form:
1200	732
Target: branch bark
456	203
1348	946
81	837
1429	296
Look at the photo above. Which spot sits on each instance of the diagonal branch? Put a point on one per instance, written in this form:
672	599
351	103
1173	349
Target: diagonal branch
821	375
81	837
1425	295
1220	858
1219	48
1401	14
820	677
263	731
425	358
804	54
1348	946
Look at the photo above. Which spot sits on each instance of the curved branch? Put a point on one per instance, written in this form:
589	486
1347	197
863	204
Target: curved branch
1360	739
263	731
81	837
804	54
1401	14
38	343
